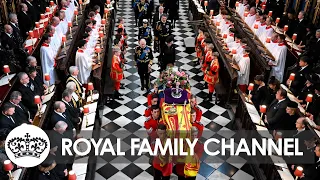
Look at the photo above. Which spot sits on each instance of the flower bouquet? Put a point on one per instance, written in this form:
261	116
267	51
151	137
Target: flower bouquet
174	78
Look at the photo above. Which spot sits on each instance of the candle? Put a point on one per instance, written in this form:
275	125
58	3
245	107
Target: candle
108	1
69	24
257	1
237	4
270	13
80	2
47	9
246	14
106	10
90	86
264	7
285	28
263	109
292	76
218	23
103	21
42	16
37	99
294	36
101	34
309	98
250	87
46	77
225	36
211	12
37	24
51	3
7	165
64	38
298	172
234	51
256	26
268	40
31	34
72	175
6	69
85	109
205	3
76	12
277	20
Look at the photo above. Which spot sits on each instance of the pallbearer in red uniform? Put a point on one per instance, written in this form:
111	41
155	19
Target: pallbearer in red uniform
153	91
196	123
152	122
211	74
154	102
199	39
193	104
116	73
162	164
207	59
189	169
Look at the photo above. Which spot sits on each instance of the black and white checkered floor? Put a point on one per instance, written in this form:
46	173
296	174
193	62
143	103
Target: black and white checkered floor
125	118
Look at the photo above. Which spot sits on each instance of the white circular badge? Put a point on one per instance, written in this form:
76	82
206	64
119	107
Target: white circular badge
27	145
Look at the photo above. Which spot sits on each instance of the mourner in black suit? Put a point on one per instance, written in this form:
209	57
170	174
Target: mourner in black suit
60	115
168	55
276	109
72	112
21	114
312	48
8	40
259	95
6	117
32	11
274	86
49	170
15	27
25	21
157	16
312	80
288	122
28	91
300	27
302	71
36	80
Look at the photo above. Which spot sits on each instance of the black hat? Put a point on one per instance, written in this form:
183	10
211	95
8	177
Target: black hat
313	78
30	70
292	104
81	43
169	39
48	162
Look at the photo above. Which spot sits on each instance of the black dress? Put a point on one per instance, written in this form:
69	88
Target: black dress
260	96
167	56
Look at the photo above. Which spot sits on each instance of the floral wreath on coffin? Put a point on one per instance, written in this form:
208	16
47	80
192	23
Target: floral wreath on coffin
173	77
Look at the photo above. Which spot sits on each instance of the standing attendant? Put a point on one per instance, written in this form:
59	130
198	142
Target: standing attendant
25	21
116	73
84	63
143	58
280	55
243	70
198	43
211	74
162	31
47	59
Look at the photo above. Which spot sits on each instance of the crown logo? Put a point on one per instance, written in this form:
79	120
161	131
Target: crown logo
27	146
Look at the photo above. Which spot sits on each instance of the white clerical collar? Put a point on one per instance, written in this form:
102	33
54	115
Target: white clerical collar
9	34
300	20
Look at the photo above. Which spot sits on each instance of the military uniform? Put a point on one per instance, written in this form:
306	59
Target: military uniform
145	33
211	76
142	12
143	58
198	112
198	43
151	123
116	73
162	31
